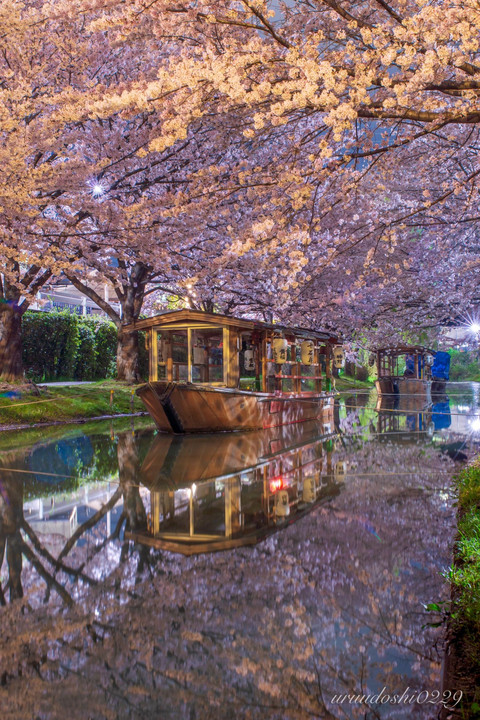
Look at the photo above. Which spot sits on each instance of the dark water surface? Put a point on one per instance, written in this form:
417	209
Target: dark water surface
331	538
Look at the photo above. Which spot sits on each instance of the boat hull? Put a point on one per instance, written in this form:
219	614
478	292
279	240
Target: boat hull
188	408
399	386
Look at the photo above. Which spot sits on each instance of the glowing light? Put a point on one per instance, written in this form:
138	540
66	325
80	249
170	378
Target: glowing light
475	424
276	484
97	188
475	328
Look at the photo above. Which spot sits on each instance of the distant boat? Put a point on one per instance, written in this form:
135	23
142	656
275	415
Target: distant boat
211	373
412	370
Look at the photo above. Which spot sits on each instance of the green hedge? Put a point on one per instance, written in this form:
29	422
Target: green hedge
106	347
65	346
50	344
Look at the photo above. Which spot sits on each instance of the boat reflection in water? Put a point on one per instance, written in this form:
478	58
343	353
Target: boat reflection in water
413	415
217	492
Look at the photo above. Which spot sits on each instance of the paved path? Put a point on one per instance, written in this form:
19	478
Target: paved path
69	382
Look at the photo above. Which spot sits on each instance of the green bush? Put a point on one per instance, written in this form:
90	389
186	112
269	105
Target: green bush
86	357
50	343
106	347
65	346
465	578
464	365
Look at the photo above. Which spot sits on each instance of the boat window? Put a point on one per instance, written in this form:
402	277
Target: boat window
171	512
162	354
208	510
207	355
190	355
300	369
172	351
286	372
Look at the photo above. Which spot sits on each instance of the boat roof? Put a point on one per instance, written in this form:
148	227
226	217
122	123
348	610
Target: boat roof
199	316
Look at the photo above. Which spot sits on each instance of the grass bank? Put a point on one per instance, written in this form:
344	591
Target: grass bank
349	383
28	406
465	579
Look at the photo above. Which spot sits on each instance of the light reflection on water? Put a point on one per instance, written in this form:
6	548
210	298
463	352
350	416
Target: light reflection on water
354	528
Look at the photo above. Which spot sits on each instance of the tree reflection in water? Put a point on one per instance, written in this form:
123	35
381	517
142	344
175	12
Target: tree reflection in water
11	514
54	569
333	604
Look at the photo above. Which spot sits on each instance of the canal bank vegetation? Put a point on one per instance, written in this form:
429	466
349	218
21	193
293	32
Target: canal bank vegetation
30	404
465	580
464	365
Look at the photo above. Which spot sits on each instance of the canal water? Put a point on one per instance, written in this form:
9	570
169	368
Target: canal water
284	574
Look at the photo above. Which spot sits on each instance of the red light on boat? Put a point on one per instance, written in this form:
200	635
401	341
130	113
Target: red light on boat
276	484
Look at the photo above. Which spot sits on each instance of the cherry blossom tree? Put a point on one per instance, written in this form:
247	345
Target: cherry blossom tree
77	192
41	64
237	154
351	99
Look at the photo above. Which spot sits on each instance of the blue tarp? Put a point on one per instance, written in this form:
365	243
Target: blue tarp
441	366
441	415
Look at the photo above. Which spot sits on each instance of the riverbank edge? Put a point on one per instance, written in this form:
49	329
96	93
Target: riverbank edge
461	667
75	421
30	405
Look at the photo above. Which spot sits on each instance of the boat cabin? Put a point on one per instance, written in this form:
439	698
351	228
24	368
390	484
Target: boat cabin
412	361
190	346
412	370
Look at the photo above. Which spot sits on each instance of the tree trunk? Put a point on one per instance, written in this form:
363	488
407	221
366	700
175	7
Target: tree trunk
127	356
130	294
11	365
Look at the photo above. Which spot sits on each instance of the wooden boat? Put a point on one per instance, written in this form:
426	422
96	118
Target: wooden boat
211	373
412	370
